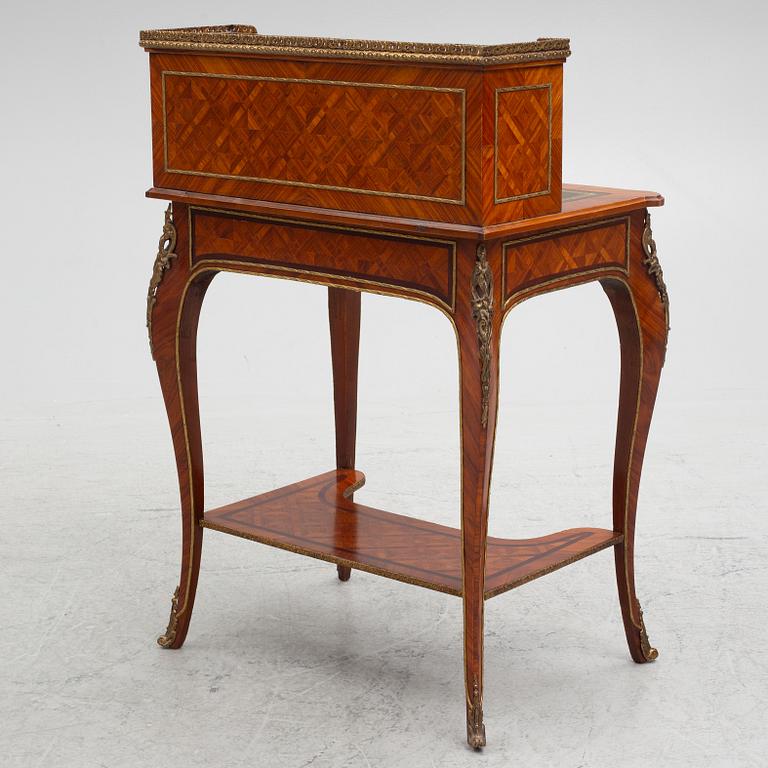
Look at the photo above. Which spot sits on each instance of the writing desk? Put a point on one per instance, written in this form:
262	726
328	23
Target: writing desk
240	206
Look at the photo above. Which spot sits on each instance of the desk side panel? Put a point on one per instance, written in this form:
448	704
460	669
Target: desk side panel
560	254
421	267
522	142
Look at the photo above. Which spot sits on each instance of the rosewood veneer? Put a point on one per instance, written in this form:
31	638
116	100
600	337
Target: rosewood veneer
428	172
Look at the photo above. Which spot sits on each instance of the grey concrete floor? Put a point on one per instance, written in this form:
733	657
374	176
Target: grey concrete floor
285	666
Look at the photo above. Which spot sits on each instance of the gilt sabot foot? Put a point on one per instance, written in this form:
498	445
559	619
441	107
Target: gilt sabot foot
166	640
648	651
475	725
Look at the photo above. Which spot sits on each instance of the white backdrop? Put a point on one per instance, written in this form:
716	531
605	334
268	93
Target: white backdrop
663	96
660	95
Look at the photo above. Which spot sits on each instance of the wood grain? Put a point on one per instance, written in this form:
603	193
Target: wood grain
404	140
344	323
522	144
362	259
383	139
580	204
174	335
314	518
523	168
641	318
560	253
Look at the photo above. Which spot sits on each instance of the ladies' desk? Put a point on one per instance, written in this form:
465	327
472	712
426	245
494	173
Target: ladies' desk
425	172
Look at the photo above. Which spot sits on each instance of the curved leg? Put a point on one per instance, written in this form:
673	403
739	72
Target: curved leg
173	311
478	333
641	309
344	321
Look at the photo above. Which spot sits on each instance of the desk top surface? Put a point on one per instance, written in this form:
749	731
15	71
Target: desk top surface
244	39
581	203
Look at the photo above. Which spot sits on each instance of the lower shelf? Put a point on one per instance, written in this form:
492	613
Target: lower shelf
317	518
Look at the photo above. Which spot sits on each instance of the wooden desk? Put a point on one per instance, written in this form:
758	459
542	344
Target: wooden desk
475	273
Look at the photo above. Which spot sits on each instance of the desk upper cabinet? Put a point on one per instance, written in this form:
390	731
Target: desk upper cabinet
454	133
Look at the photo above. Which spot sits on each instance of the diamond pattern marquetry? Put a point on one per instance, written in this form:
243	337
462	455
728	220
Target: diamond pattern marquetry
532	261
523	146
313	517
388	140
460	144
422	265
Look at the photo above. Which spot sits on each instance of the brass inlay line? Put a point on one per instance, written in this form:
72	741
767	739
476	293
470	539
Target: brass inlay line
181	610
649	653
434	297
512	584
638	401
396	576
311	185
537	193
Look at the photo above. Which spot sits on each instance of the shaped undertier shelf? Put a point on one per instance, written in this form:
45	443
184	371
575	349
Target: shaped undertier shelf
316	517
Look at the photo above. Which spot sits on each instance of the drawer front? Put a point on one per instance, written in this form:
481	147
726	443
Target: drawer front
365	259
529	262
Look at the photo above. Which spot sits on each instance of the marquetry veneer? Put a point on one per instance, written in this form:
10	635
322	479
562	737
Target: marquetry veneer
474	260
446	133
318	518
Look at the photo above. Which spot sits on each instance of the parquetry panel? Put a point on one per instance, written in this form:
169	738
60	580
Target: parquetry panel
523	142
533	260
382	139
313	518
420	264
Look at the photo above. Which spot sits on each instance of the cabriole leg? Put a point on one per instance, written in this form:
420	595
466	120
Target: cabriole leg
173	309
641	307
477	323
